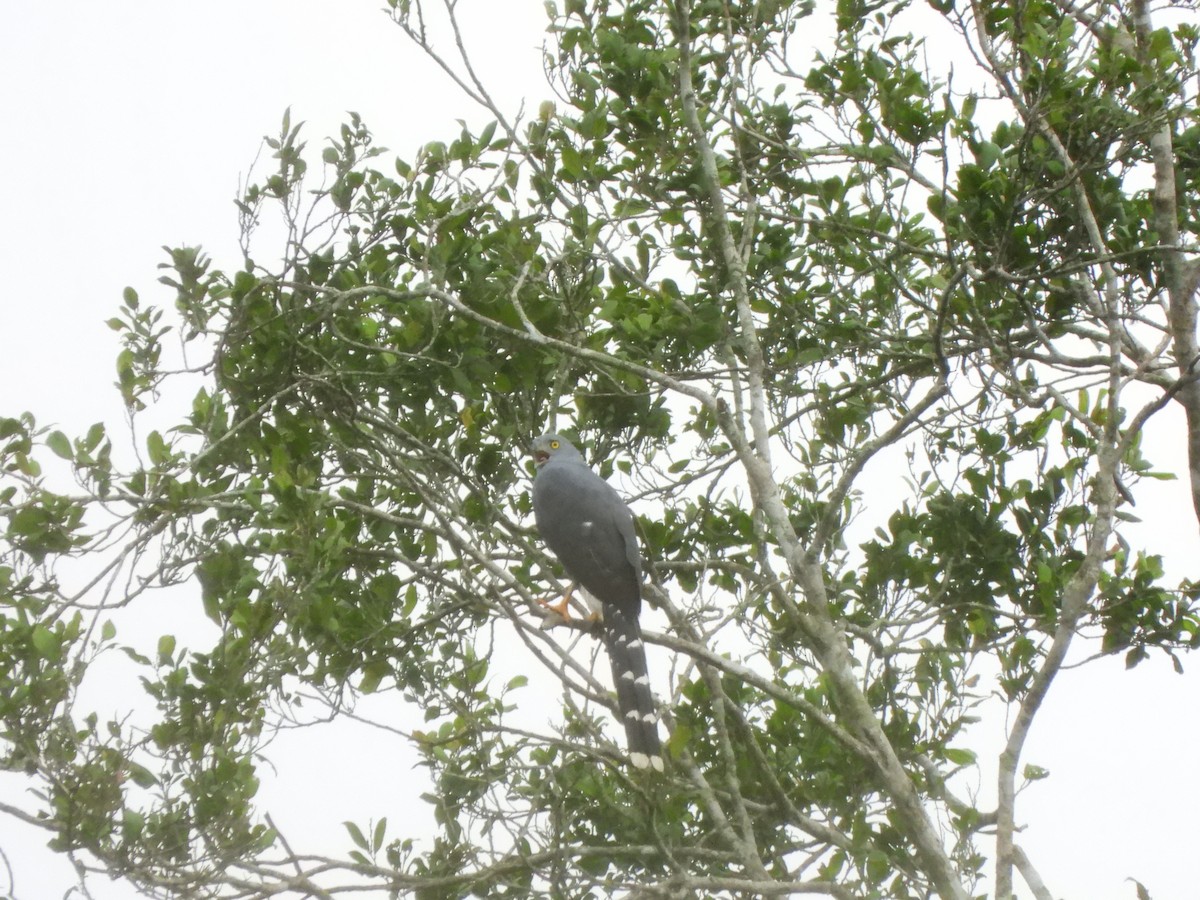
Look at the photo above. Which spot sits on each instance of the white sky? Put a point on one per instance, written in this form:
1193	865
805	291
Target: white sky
125	125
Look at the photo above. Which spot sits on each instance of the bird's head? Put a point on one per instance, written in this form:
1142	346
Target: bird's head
550	445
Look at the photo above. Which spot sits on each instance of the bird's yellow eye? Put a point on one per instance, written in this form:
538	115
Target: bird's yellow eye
554	445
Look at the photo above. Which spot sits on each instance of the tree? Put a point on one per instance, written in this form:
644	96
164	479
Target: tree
751	276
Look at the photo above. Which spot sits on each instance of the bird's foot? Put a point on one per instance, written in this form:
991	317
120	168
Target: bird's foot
563	606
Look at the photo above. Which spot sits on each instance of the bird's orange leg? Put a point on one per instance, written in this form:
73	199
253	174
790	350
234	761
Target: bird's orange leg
563	606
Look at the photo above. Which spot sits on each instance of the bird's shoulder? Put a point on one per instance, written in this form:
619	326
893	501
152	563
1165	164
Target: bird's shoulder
578	481
558	472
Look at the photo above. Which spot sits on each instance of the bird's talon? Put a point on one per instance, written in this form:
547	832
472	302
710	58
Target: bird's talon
563	606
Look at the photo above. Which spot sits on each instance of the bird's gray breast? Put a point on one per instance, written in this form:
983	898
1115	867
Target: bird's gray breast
586	524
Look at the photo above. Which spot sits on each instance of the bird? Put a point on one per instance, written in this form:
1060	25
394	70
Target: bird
589	528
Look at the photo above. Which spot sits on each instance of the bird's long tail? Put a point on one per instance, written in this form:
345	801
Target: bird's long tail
627	653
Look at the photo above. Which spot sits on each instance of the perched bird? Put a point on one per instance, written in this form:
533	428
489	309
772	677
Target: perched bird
590	529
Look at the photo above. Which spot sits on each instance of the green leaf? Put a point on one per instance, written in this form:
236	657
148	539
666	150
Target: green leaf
960	756
45	642
60	445
987	154
94	436
166	649
485	136
157	449
373	674
377	837
356	835
140	775
132	823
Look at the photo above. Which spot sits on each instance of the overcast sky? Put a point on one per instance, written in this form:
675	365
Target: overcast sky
125	126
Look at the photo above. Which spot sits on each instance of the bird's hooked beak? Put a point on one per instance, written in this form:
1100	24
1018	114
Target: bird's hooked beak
539	457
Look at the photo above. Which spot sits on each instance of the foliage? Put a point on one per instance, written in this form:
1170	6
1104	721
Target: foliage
754	276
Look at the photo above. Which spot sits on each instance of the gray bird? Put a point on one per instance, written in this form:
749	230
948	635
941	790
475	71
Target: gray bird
590	529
